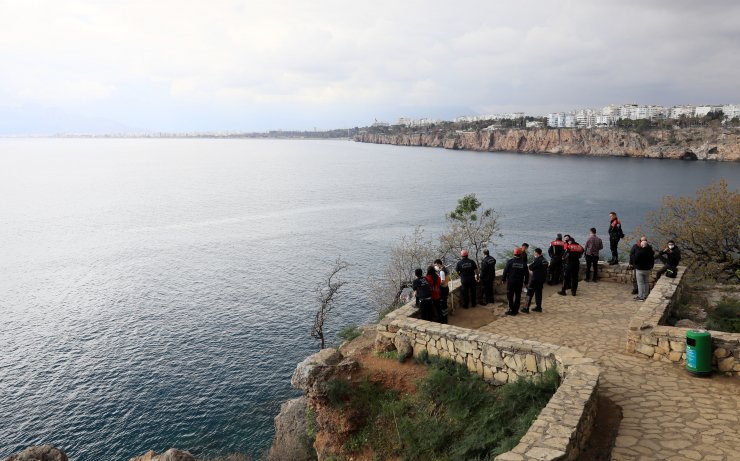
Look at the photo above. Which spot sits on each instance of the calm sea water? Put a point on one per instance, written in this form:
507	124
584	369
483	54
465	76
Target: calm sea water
157	293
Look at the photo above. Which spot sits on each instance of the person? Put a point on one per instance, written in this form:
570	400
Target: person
525	253
515	276
488	275
536	282
556	250
615	234
631	266
593	246
423	293
444	289
435	284
644	262
571	265
671	258
467	269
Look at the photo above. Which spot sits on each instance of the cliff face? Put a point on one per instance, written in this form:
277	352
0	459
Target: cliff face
686	144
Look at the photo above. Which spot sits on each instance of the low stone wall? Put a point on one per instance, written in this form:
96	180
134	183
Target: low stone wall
650	337
563	426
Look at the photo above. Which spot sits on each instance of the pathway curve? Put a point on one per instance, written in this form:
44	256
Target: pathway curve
667	413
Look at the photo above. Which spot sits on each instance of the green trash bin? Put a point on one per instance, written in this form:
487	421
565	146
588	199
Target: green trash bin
699	352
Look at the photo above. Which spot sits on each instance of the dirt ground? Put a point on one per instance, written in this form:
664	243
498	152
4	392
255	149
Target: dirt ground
604	433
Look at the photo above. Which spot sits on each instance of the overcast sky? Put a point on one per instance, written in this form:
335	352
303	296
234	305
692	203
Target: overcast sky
246	65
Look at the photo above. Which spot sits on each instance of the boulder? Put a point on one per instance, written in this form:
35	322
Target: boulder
311	374
39	453
170	455
291	440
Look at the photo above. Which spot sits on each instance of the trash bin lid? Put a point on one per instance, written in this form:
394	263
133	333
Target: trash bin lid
697	334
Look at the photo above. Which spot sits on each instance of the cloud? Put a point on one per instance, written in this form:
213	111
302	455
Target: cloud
383	58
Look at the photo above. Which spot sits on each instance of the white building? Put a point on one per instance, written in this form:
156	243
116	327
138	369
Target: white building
561	120
677	111
534	124
701	111
605	120
731	111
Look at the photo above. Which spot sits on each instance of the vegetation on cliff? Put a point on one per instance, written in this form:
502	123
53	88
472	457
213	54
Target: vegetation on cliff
454	414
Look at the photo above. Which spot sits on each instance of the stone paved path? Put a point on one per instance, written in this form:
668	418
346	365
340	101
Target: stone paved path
667	413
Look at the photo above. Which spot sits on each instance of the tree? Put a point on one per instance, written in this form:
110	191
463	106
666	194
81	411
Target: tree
704	227
470	228
325	292
411	252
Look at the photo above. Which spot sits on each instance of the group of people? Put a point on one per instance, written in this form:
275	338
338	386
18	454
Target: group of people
565	253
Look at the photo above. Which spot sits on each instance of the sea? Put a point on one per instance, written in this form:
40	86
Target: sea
159	293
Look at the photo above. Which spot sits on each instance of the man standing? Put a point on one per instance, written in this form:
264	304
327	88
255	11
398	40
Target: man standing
539	275
525	254
515	275
488	275
467	269
593	246
423	293
444	289
571	258
556	250
631	266
615	234
670	256
644	262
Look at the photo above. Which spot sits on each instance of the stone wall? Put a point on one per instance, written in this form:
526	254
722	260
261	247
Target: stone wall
648	335
563	426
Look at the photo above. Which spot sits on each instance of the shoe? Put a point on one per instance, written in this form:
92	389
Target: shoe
637	298
612	262
573	293
537	309
634	292
510	312
562	293
586	280
525	310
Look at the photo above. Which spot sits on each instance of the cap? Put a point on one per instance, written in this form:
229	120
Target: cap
464	253
517	251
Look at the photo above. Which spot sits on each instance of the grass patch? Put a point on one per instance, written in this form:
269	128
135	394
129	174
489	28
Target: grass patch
383	312
454	415
725	317
392	355
349	332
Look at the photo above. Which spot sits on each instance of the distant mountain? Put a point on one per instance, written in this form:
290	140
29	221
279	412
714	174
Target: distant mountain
38	121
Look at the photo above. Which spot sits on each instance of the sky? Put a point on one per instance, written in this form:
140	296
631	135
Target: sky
218	65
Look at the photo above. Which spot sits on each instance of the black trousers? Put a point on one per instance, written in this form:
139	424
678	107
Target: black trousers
570	277
514	295
425	306
534	290
488	290
592	261
468	293
554	271
613	245
443	310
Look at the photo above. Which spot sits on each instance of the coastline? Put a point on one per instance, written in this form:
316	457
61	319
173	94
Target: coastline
711	144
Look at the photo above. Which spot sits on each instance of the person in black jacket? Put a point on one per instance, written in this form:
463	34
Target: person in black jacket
488	275
537	281
423	293
515	276
556	250
468	271
615	234
572	265
670	256
631	266
644	262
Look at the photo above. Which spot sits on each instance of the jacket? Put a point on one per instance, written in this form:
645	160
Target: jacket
644	258
515	271
594	245
539	269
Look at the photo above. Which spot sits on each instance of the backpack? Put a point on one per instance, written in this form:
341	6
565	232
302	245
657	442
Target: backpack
671	272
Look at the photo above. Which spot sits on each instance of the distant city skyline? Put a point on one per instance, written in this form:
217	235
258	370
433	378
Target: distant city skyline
82	66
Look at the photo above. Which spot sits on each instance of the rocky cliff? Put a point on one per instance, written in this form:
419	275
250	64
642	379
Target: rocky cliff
686	144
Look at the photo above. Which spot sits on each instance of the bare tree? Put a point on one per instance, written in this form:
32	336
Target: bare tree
325	292
470	228
705	228
411	252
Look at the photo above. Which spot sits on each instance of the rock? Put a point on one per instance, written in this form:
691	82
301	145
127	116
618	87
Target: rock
314	369
291	441
686	323
403	346
726	364
170	455
39	453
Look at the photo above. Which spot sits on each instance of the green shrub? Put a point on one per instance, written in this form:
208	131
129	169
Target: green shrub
349	332
392	355
454	415
338	392
725	317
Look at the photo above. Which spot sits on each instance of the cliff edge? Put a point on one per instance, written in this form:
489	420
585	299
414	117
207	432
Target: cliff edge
707	143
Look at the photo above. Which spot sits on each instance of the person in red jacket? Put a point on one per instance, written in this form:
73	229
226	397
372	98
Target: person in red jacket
435	284
556	250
